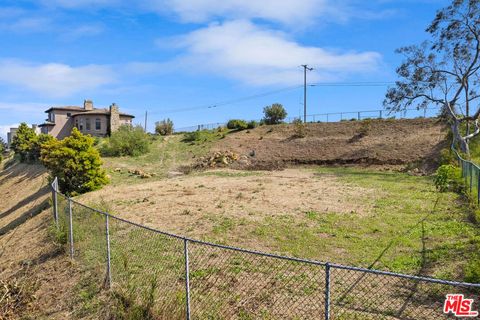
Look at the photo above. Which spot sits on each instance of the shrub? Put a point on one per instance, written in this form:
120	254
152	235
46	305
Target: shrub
447	157
252	124
3	147
41	139
201	136
449	178
23	142
299	128
126	141
236	124
274	114
164	127
75	162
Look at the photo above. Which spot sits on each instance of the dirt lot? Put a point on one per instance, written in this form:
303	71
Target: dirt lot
391	142
185	204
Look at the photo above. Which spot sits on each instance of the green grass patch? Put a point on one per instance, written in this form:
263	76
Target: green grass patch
166	154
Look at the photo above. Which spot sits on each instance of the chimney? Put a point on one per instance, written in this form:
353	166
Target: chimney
88	105
114	118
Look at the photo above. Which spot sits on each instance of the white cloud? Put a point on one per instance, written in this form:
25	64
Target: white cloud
54	79
295	13
256	56
285	11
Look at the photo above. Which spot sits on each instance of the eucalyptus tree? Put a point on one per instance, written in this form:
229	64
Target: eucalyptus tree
445	71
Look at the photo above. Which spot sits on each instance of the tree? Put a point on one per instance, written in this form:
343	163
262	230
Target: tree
445	71
36	147
75	162
164	127
3	147
23	141
274	114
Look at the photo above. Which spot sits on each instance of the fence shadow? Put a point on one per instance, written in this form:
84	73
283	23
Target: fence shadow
423	264
25	216
31	198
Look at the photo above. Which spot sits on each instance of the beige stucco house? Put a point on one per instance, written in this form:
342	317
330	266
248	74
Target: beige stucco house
89	120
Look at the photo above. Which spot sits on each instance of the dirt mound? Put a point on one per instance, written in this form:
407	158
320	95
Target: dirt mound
367	142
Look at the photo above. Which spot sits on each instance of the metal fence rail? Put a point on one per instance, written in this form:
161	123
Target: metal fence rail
334	117
176	277
470	174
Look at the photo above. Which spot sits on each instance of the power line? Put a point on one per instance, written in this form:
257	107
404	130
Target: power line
228	102
264	94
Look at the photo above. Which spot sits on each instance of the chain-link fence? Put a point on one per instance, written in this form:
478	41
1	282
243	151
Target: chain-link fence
470	174
335	117
174	277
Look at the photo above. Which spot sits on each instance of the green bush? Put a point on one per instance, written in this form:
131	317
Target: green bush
274	114
3	147
447	157
126	141
164	127
449	178
236	124
23	142
75	162
202	136
299	128
37	145
252	124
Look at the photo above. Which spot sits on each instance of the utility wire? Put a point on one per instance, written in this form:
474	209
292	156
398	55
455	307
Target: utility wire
264	94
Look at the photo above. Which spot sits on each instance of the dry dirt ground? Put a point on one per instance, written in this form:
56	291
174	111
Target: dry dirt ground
381	142
192	205
35	275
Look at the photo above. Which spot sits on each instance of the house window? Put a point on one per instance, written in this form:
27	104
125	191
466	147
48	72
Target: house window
51	117
81	125
87	124
98	124
76	123
69	114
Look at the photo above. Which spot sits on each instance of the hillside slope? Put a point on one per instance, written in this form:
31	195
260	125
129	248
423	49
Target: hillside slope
35	274
382	142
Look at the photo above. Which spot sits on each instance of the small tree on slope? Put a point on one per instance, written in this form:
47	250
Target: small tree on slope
445	71
75	162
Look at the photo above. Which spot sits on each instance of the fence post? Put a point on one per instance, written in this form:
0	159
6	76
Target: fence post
478	186
327	291
107	235
470	168
380	114
70	227
187	278
358	115
327	117
54	199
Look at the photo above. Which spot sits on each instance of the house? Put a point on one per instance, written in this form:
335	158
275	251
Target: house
87	119
13	132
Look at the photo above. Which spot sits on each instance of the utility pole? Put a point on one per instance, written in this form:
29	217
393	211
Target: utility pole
146	121
305	68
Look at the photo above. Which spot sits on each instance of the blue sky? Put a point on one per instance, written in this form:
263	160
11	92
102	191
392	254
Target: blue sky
168	55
